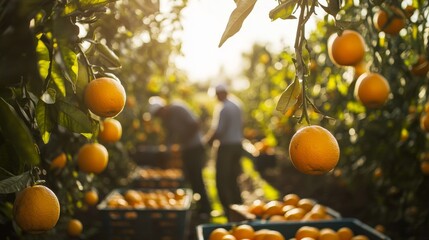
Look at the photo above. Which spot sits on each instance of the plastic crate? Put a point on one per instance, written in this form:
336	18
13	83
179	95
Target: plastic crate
161	180
288	229
129	223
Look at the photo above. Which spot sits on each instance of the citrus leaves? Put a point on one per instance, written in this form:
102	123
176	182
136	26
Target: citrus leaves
289	97
243	9
20	144
240	13
284	10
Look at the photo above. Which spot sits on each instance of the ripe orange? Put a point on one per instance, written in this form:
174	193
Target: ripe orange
291	199
74	227
218	234
257	207
389	22
424	122
307	231
314	150
273	207
92	158
347	49
36	209
372	90
110	131
306	204
243	231
91	197
267	234
421	67
424	167
295	214
105	97
328	234
59	161
360	237
229	237
345	233
360	68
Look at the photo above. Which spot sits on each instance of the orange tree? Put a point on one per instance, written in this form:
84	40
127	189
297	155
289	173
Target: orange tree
49	54
147	45
383	148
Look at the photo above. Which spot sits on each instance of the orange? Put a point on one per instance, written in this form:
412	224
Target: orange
74	227
360	68
36	209
372	90
257	207
110	131
92	158
314	150
229	237
389	22
307	231
133	197
306	204
424	122
345	233
243	231
360	237
421	67
91	197
328	234
273	207
380	228
218	234
295	214
291	199
59	161
424	167
347	49
267	234
105	97
409	11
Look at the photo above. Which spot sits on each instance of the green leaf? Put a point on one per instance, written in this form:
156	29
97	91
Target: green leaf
284	10
73	118
107	54
17	135
44	122
66	34
15	183
240	13
289	97
75	7
44	60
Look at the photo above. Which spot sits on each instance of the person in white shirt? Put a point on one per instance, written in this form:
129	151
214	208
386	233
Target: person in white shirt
227	128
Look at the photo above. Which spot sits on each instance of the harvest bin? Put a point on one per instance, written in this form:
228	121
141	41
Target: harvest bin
132	223
288	229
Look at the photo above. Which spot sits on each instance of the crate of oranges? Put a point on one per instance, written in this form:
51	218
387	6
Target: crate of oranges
154	177
147	214
347	228
290	208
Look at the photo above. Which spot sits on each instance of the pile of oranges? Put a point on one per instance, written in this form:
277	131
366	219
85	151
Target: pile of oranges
244	231
313	233
154	199
248	232
290	208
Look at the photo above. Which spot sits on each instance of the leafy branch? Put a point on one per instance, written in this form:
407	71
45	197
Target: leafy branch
295	93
